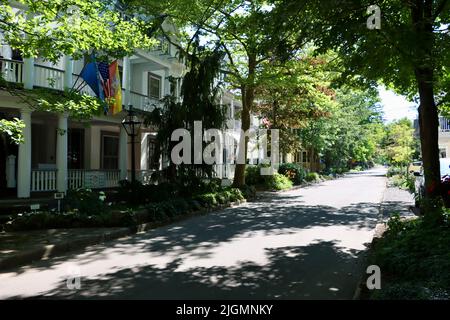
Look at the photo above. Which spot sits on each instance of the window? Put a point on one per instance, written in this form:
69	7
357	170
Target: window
154	86
110	151
443	152
153	162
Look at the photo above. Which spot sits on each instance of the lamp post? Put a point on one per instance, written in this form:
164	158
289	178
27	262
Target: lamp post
132	124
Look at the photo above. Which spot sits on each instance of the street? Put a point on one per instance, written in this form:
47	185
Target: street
306	243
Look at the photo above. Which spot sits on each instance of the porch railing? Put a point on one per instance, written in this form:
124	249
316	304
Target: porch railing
11	70
48	77
93	179
43	180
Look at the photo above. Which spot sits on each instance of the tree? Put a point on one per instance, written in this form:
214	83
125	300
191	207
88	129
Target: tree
399	143
293	93
410	53
247	34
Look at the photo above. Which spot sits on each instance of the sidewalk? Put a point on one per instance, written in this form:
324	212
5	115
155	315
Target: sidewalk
18	248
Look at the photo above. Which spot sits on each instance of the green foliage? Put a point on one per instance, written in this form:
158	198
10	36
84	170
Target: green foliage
413	252
13	129
399	142
312	177
52	28
406	182
295	172
52	220
277	182
86	201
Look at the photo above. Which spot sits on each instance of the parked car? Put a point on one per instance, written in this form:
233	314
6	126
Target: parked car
415	167
445	180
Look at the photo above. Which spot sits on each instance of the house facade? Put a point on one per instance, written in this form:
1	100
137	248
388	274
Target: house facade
61	153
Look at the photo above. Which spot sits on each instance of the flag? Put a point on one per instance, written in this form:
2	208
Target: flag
103	69
91	75
115	88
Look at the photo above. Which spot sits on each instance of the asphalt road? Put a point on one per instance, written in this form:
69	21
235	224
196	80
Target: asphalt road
301	244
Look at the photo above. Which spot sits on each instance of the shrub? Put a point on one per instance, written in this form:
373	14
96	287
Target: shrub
293	171
413	252
253	175
277	182
392	171
207	200
86	201
404	182
312	177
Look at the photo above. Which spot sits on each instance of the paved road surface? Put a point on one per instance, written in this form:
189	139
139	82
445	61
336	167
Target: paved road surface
300	244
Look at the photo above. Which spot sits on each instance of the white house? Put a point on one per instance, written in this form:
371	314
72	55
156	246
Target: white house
59	152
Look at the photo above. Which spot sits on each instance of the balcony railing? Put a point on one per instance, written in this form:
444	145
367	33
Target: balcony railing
444	124
53	78
48	77
143	102
11	70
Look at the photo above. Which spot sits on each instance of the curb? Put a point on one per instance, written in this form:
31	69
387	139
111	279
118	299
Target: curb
47	251
377	233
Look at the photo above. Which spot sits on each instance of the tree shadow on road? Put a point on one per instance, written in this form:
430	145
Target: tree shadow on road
291	273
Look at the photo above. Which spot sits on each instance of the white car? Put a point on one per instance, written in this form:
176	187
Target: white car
420	181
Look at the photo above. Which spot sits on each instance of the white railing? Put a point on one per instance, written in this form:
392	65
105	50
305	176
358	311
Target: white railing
11	70
48	77
444	124
142	102
76	179
93	179
43	180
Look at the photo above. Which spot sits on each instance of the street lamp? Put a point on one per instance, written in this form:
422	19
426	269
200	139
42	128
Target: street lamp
132	124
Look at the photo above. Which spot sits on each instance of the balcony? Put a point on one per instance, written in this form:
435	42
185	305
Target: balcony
53	78
444	124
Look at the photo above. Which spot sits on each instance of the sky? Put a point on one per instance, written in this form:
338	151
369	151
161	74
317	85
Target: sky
396	107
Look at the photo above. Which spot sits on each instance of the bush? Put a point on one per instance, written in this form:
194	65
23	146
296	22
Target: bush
413	252
277	182
404	182
253	175
392	171
312	177
293	171
86	201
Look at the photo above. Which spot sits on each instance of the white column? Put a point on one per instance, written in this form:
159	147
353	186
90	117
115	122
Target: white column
126	80
166	82
68	71
24	162
28	73
123	154
61	153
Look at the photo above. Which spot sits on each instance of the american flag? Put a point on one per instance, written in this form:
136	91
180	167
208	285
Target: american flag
103	69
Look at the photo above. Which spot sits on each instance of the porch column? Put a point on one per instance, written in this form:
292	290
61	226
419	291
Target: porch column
68	71
126	81
61	153
123	153
28	73
24	162
166	82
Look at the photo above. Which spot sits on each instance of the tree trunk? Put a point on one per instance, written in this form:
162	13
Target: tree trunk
421	13
429	134
248	95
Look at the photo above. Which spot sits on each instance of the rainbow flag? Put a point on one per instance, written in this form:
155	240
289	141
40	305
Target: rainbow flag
115	88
